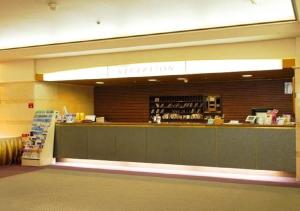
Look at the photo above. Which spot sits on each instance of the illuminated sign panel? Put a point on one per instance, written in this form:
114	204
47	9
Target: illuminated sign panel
165	69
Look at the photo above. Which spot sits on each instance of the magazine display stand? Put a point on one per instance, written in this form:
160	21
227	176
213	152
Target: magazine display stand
38	151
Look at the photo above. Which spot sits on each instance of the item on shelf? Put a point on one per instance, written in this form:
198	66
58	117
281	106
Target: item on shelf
70	118
210	121
79	117
90	118
196	116
100	119
165	116
158	119
280	120
59	118
260	120
287	118
251	119
273	113
219	121
234	122
268	120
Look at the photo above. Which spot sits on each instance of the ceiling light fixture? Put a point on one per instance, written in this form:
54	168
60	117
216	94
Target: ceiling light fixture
247	76
152	80
52	5
185	80
99	82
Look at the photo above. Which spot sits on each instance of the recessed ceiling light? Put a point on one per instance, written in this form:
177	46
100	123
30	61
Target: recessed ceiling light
99	82
185	80
247	76
152	80
52	5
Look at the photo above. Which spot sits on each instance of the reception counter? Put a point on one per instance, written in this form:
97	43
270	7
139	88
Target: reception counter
232	146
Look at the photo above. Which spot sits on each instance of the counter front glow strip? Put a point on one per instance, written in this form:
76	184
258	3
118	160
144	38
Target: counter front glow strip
170	169
166	69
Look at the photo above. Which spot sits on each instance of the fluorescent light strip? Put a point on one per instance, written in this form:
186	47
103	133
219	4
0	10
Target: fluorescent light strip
165	69
201	171
224	66
80	74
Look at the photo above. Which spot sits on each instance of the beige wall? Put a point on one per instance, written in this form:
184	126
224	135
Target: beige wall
23	70
56	96
16	117
16	91
284	48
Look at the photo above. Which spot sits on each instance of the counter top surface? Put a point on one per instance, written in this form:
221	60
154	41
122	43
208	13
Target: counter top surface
174	124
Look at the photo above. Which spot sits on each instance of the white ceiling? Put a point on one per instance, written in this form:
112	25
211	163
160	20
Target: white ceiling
31	22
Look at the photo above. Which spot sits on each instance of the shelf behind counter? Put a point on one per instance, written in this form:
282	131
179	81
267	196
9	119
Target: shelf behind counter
245	146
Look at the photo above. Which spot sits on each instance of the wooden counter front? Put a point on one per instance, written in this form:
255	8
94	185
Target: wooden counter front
233	146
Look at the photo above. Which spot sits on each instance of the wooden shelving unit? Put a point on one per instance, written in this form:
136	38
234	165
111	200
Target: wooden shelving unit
183	108
213	106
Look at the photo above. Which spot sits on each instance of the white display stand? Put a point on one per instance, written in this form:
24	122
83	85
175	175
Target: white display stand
38	151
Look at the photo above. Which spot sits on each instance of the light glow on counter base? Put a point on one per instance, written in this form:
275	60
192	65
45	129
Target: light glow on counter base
166	69
200	171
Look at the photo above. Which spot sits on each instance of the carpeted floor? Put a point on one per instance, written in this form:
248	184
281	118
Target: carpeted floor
11	170
59	189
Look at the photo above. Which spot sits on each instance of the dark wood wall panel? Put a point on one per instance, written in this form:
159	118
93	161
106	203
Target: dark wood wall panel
131	103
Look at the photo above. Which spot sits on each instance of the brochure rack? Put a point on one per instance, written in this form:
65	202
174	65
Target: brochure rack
38	151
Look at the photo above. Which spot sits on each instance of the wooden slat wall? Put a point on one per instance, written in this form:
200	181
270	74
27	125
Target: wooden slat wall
131	103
